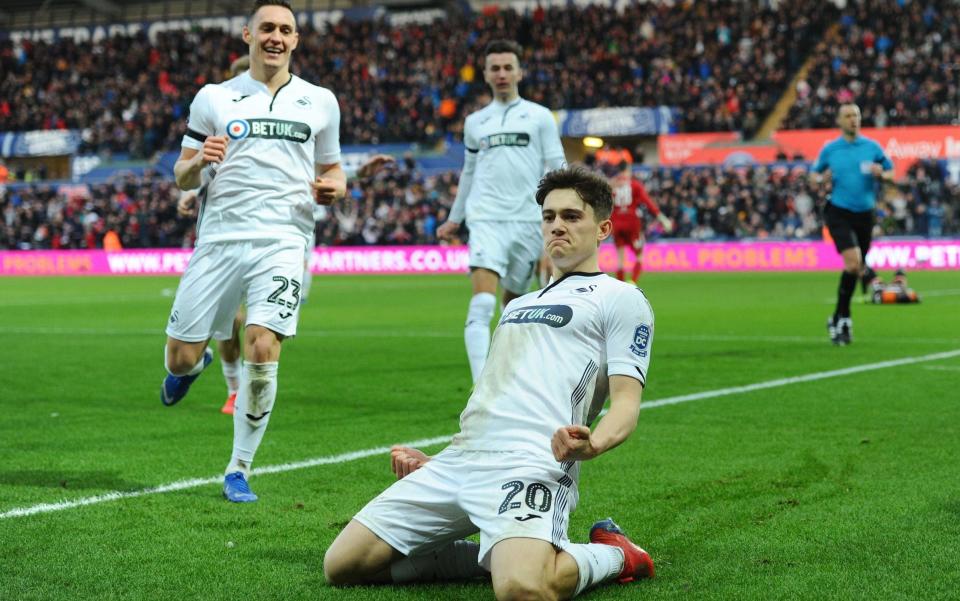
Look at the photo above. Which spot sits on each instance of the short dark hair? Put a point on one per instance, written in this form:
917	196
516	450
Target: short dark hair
590	187
261	3
502	46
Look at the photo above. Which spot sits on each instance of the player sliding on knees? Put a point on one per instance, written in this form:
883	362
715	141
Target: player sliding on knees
512	472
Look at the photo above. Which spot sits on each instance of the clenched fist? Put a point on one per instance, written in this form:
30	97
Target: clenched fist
572	443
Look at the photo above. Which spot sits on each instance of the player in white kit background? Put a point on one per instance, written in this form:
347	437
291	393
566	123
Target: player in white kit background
512	471
266	146
510	143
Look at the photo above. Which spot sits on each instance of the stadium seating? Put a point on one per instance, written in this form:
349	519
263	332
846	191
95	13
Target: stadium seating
899	60
417	82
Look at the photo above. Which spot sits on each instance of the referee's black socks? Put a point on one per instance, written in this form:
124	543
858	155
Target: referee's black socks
848	283
868	275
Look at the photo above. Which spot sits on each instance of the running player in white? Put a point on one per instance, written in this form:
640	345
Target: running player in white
266	145
512	472
231	350
510	143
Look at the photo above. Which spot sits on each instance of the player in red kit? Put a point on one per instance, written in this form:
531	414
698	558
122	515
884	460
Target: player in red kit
629	196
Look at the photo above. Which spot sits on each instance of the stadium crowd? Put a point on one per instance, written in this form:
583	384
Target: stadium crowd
402	205
722	67
900	61
142	212
780	202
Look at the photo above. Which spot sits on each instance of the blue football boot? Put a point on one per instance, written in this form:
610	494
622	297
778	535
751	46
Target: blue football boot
236	489
175	387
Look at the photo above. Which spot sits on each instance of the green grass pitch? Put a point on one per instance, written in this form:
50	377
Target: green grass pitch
839	487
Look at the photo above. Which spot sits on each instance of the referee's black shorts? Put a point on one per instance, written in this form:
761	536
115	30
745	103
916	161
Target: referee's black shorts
849	229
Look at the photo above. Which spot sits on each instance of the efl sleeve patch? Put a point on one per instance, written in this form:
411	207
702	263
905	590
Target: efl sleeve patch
629	331
641	338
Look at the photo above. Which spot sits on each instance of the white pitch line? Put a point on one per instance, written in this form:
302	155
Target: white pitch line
197	482
351	456
800	379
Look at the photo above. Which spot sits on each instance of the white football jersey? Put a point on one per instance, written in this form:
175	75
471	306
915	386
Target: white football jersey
262	189
514	144
550	360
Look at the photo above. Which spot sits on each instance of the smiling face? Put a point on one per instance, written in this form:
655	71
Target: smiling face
271	36
501	71
571	232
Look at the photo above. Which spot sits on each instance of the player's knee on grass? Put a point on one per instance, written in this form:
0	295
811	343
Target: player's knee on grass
357	556
524	568
337	569
526	585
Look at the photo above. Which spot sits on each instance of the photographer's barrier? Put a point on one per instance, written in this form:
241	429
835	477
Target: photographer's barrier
657	257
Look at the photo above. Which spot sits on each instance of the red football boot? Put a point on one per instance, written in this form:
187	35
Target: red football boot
636	562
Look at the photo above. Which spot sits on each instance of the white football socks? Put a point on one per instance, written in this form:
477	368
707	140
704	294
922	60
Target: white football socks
258	392
476	332
231	375
597	563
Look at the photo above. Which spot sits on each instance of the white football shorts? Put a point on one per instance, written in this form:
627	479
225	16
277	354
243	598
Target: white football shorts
458	493
267	273
509	248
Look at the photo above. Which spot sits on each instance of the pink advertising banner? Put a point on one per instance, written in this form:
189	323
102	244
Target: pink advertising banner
662	257
786	256
173	261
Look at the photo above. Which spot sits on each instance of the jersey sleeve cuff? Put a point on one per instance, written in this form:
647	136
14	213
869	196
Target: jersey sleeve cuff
328	159
631	370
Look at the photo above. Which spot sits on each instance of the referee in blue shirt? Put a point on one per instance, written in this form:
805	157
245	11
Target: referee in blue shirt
857	166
